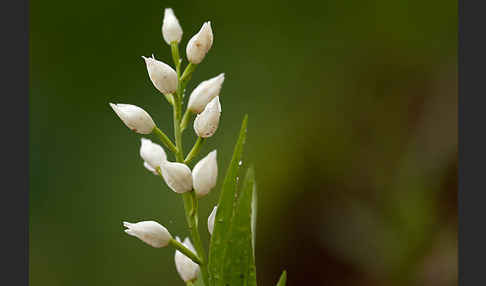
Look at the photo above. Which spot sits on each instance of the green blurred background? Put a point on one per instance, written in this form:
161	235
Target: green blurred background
352	130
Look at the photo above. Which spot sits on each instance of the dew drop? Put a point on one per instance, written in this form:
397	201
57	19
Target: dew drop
240	163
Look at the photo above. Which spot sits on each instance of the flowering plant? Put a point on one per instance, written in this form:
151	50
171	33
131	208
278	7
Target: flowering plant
231	256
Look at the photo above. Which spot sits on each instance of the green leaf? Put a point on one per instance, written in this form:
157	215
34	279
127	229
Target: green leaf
254	206
222	222
239	263
199	281
283	279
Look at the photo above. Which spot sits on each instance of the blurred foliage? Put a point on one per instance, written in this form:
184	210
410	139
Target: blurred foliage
352	131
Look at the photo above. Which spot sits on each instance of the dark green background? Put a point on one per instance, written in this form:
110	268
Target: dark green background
352	130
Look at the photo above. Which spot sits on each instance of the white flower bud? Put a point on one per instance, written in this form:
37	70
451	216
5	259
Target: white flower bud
199	44
204	93
134	117
171	29
186	268
148	167
177	176
207	121
211	218
162	75
152	153
205	174
150	232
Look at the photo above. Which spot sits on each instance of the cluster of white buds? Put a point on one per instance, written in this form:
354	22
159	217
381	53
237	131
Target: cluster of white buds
186	268
180	179
203	101
178	176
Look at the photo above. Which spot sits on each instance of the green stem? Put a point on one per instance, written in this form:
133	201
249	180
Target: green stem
186	76
189	198
189	283
184	79
185	119
177	130
190	207
165	139
169	98
186	251
175	56
195	150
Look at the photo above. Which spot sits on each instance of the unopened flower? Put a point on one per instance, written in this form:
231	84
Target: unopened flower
207	121
162	75
204	93
134	117
199	44
205	174
211	218
186	268
177	176
152	153
171	29
150	232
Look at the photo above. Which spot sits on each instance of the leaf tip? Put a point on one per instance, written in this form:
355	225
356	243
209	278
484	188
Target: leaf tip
283	279
244	122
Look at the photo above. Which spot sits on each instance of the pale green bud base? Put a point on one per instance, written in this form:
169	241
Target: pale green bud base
186	76
186	251
164	138
170	98
185	119
174	46
195	150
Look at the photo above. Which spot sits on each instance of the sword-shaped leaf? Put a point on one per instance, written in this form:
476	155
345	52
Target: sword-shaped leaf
222	222
239	263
